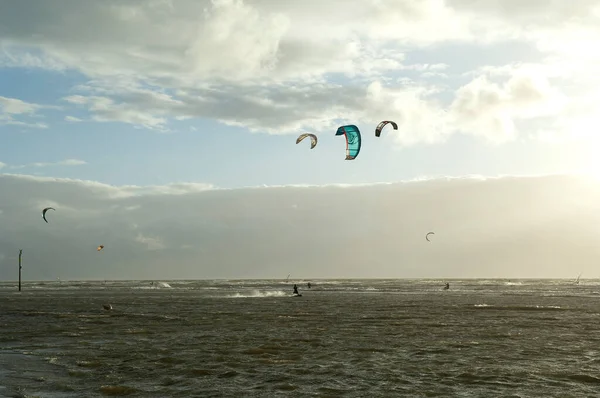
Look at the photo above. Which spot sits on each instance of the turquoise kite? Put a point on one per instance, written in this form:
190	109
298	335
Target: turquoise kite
353	140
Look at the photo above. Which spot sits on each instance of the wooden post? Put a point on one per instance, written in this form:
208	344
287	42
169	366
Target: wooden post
20	253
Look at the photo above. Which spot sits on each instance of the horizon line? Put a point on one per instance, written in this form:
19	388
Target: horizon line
207	186
307	279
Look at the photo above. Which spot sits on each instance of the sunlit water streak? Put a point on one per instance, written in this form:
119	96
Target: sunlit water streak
351	338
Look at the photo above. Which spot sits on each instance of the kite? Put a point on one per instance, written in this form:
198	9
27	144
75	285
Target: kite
427	235
381	125
44	212
100	247
353	140
313	139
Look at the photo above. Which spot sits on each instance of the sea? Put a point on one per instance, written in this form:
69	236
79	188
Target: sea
341	338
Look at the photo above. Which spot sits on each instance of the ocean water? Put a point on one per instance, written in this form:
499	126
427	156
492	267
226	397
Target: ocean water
342	338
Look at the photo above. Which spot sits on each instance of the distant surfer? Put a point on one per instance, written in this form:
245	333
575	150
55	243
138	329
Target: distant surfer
296	289
447	287
308	284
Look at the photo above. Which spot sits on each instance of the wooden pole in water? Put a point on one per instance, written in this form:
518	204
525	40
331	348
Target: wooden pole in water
20	253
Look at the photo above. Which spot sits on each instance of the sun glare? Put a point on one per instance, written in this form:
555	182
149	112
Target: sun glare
581	146
590	158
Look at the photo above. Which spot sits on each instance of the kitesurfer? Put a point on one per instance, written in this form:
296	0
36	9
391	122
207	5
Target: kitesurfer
447	286
296	289
308	284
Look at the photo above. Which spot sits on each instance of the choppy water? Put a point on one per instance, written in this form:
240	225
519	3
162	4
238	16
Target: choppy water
351	338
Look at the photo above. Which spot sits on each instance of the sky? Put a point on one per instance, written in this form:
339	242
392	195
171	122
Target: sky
168	128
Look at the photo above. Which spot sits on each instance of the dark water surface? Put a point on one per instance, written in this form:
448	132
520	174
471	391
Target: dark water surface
350	338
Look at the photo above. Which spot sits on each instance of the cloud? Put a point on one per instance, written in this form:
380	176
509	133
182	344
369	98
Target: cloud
487	108
113	192
13	107
72	119
105	109
150	242
485	227
281	67
66	162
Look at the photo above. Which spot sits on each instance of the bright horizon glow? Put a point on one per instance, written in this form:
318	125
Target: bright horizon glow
485	228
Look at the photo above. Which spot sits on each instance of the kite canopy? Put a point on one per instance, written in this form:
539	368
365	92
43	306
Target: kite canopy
427	235
353	140
381	125
313	139
44	212
100	247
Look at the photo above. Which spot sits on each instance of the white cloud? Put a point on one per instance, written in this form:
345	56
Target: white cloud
66	162
280	67
486	108
15	56
11	108
107	191
105	109
485	227
71	162
152	243
72	119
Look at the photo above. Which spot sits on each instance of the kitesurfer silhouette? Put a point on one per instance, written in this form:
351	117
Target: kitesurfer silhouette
296	289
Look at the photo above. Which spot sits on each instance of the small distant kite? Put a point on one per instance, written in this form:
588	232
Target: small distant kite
427	235
381	125
353	140
44	212
313	139
100	247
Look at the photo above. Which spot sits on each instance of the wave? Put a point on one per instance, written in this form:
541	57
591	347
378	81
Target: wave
259	293
520	307
155	285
